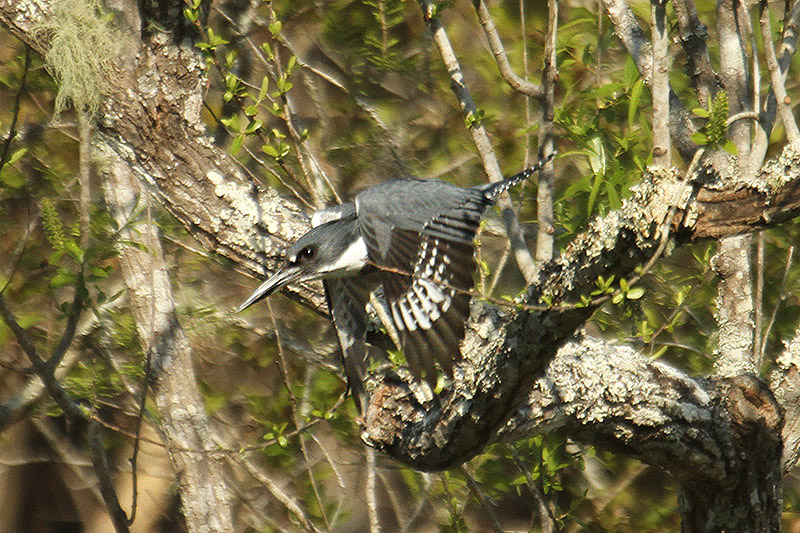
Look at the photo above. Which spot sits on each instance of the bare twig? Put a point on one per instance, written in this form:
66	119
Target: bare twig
427	482
484	502
659	86
12	129
101	468
496	45
778	87
758	299
480	139
546	190
71	409
785	53
498	270
547	517
781	296
523	31
291	505
84	175
137	440
371	491
283	367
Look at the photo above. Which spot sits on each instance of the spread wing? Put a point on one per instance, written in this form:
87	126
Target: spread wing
425	261
346	300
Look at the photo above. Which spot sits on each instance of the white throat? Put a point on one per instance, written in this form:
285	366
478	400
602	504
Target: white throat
351	261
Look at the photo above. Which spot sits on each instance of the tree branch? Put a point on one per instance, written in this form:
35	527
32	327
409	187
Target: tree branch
628	31
659	87
785	382
504	349
203	489
778	87
546	187
496	45
693	34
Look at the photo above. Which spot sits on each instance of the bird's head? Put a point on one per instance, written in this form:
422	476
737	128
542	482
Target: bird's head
335	249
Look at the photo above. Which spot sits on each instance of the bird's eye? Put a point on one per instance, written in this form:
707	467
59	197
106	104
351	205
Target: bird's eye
305	254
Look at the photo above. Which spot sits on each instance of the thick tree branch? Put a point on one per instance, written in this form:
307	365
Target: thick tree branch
503	349
152	120
785	383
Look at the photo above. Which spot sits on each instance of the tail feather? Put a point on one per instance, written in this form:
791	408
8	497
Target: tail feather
493	190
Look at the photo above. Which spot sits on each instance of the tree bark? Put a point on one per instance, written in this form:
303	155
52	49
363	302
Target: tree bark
203	490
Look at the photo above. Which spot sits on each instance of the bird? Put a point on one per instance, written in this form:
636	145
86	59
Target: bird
414	239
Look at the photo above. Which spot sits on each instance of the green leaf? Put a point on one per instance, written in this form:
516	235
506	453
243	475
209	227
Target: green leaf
635	293
262	93
11	178
661	351
598	180
16	156
101	272
73	250
254	125
232	123
62	279
267	50
270	151
275	28
699	138
230	57
633	104
730	147
700	112
236	145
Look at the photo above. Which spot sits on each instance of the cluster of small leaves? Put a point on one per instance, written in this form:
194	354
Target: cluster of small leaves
254	111
605	287
610	132
371	33
714	134
675	319
380	46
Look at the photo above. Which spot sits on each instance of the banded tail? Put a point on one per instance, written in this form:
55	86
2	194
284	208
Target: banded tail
493	190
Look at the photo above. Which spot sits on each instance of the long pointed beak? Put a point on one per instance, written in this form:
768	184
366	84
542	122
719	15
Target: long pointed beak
275	282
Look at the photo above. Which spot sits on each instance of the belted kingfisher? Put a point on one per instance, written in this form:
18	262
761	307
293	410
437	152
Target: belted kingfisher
412	237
